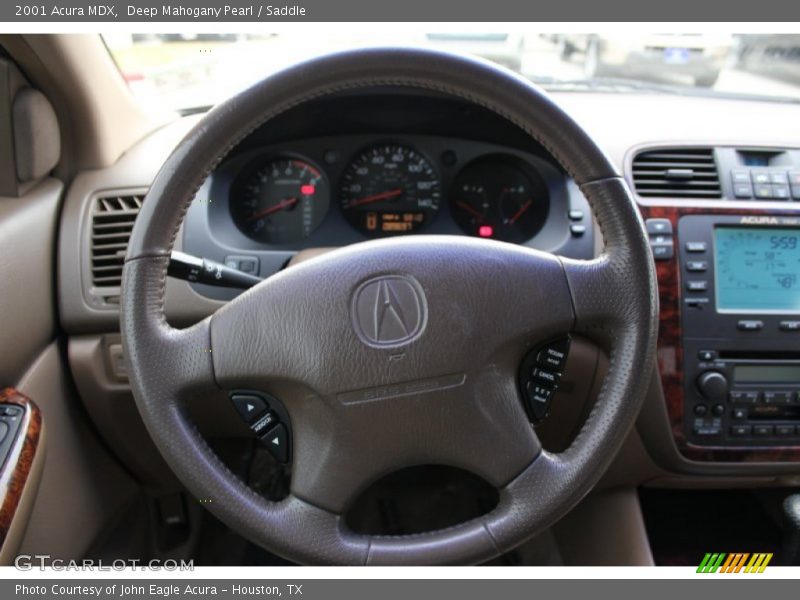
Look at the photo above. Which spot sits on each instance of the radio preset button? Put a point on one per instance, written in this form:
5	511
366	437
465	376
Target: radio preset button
777	397
763	430
789	326
750	325
740	430
742	397
784	430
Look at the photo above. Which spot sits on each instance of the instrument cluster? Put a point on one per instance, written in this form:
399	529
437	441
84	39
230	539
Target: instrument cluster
286	196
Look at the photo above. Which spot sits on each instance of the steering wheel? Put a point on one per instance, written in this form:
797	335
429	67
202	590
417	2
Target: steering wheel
442	388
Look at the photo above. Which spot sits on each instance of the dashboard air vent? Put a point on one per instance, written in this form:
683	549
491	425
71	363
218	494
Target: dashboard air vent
112	222
676	173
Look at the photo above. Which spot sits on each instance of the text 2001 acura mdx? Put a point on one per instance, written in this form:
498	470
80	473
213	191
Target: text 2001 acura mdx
396	305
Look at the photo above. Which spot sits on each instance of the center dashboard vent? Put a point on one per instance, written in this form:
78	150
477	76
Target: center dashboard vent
676	173
112	222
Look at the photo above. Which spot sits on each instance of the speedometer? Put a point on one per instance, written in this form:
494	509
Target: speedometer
390	189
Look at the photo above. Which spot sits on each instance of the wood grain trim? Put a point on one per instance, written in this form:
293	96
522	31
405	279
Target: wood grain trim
14	475
670	350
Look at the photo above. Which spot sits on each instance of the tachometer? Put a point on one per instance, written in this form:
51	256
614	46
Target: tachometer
389	189
499	197
280	201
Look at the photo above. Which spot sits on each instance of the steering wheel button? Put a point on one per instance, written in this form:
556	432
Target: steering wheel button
546	377
264	424
249	406
277	442
553	356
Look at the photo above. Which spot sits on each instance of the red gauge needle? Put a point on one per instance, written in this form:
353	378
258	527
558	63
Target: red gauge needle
376	197
520	212
476	213
285	203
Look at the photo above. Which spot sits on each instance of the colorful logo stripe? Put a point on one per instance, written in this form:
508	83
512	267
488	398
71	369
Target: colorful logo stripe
735	562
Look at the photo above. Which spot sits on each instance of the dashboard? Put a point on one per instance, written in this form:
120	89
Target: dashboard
391	163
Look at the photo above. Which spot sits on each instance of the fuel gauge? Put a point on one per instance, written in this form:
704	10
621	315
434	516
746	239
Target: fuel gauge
500	197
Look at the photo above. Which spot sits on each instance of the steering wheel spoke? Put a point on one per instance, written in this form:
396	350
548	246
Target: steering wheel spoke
174	364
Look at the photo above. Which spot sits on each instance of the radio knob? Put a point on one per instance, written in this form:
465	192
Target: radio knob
713	385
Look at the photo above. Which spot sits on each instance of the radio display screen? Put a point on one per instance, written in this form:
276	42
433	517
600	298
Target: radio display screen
757	269
766	374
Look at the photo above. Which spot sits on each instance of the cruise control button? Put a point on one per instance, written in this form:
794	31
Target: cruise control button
554	356
249	406
264	423
546	377
277	442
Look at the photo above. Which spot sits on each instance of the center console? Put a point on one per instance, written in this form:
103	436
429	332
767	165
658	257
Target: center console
728	271
740	313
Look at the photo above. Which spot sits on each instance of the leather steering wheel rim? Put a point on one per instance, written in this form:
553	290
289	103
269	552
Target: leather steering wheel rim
461	399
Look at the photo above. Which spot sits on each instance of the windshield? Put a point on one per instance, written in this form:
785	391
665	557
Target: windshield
186	71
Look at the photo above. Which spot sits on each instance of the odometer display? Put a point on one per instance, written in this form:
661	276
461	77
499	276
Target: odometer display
389	190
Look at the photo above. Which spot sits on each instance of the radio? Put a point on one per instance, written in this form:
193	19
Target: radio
740	317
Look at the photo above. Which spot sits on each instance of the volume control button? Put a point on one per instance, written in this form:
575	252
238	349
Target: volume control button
713	385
